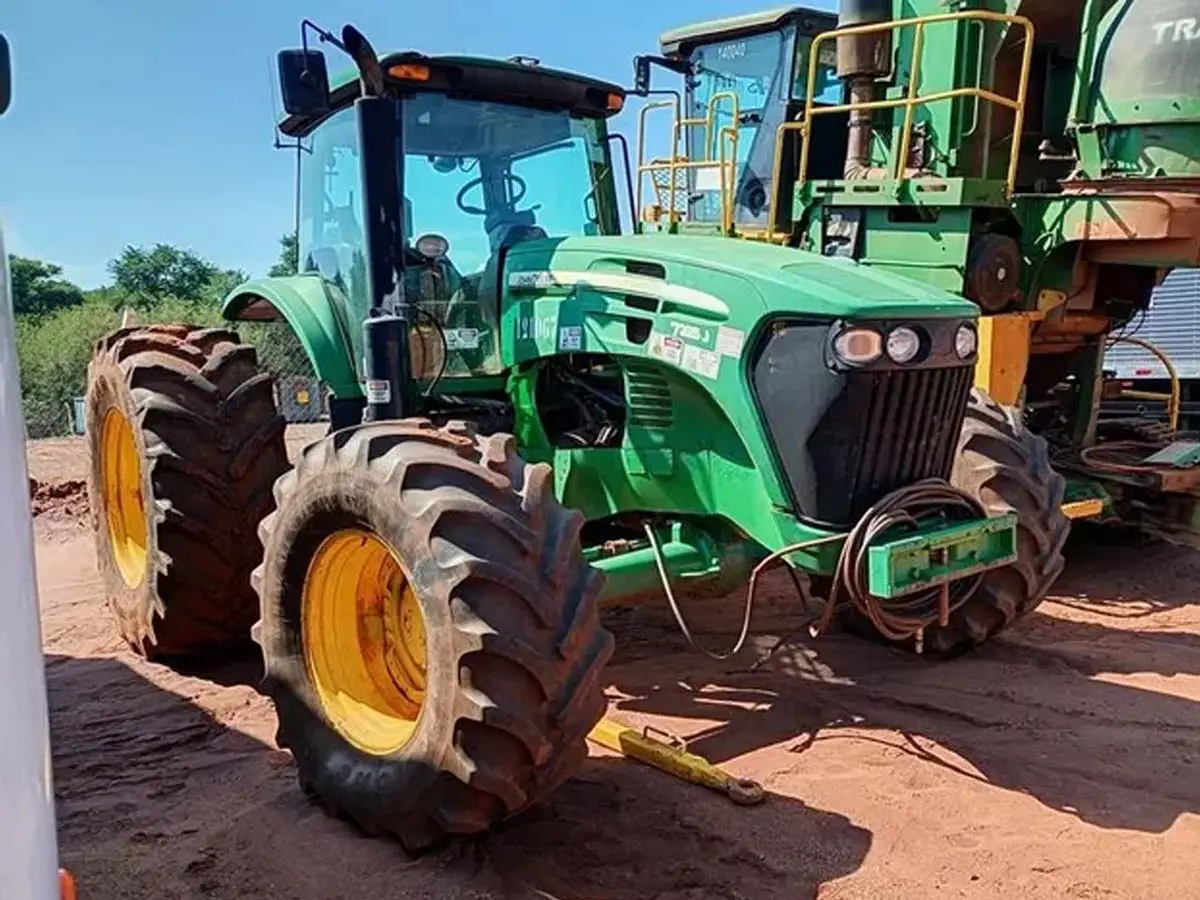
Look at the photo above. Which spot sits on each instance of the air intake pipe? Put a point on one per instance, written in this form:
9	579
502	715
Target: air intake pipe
862	59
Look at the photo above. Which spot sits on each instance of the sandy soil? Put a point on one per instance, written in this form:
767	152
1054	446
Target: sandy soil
1061	761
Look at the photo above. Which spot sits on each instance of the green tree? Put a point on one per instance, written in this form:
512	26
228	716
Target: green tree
37	289
146	276
289	256
221	284
54	351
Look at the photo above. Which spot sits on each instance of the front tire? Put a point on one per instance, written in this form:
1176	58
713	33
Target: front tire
1006	467
185	442
463	678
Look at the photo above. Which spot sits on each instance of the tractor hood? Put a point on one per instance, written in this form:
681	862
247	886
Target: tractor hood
737	343
755	278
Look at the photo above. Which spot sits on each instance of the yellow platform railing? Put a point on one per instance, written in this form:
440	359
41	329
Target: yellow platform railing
679	163
912	100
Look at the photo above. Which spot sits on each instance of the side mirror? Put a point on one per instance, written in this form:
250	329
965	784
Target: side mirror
641	75
304	82
5	75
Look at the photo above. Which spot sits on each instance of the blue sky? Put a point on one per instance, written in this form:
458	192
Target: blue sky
136	121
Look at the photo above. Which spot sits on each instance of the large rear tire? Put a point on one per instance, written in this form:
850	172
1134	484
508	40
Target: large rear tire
1006	467
430	629
186	443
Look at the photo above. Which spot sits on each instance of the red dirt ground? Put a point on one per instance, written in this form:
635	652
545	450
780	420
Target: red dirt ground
1061	761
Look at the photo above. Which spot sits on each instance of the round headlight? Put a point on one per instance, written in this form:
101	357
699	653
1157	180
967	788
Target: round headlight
903	344
858	346
965	341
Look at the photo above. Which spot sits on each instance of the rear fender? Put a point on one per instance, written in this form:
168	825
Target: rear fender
305	303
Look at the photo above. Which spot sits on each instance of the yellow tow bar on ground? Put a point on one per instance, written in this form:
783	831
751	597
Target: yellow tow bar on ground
671	756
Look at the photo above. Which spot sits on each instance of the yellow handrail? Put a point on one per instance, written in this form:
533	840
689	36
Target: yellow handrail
1174	398
909	102
677	162
727	182
914	81
641	147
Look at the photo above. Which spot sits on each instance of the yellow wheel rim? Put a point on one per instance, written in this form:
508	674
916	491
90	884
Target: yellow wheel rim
125	509
364	641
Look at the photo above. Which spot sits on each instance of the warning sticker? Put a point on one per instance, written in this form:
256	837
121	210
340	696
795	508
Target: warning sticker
730	341
703	362
668	349
378	391
570	337
462	338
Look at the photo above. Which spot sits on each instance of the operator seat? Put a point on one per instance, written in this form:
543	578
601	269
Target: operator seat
504	232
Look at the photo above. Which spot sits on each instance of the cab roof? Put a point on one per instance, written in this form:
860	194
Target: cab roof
480	78
680	41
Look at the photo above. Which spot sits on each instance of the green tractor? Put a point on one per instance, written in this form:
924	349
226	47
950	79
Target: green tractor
532	415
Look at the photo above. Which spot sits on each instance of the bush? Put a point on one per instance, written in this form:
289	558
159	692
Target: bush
54	351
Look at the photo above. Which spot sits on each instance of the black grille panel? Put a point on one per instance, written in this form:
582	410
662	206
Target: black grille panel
886	429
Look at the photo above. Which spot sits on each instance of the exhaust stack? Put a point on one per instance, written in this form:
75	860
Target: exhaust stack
862	59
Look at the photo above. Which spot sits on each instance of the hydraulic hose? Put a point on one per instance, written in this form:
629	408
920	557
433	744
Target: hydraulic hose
901	618
896	618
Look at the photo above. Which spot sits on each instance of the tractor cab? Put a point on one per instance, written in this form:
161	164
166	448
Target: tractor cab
415	204
743	78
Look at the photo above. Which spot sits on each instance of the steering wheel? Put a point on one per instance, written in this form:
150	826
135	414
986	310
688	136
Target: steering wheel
520	188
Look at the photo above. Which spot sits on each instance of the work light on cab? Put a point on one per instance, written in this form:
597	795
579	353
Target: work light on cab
432	246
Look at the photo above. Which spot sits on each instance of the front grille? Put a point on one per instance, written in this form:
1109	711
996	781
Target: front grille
886	429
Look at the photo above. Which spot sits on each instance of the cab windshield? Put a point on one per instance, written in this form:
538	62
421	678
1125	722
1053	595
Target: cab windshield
767	74
478	178
475	170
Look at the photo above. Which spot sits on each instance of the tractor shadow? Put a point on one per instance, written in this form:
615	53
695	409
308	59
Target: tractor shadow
233	667
623	830
168	784
1033	711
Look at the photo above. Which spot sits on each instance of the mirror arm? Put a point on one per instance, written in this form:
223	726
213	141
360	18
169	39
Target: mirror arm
326	37
642	69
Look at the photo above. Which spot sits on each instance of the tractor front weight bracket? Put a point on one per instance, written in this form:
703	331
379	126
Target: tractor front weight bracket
939	554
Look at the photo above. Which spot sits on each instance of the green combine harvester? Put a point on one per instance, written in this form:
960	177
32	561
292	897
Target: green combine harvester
532	415
1040	158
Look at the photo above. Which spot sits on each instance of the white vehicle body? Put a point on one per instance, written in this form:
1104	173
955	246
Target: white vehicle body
28	842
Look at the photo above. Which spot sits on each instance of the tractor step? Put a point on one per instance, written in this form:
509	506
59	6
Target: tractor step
941	553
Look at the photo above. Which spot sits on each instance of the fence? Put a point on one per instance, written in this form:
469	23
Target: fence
54	372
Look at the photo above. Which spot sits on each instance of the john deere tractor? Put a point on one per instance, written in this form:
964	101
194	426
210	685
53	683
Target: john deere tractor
533	414
1039	157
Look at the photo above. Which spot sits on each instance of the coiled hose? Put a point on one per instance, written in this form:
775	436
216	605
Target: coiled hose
898	618
901	618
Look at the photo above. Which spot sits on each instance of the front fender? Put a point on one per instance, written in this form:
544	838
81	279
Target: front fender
305	303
